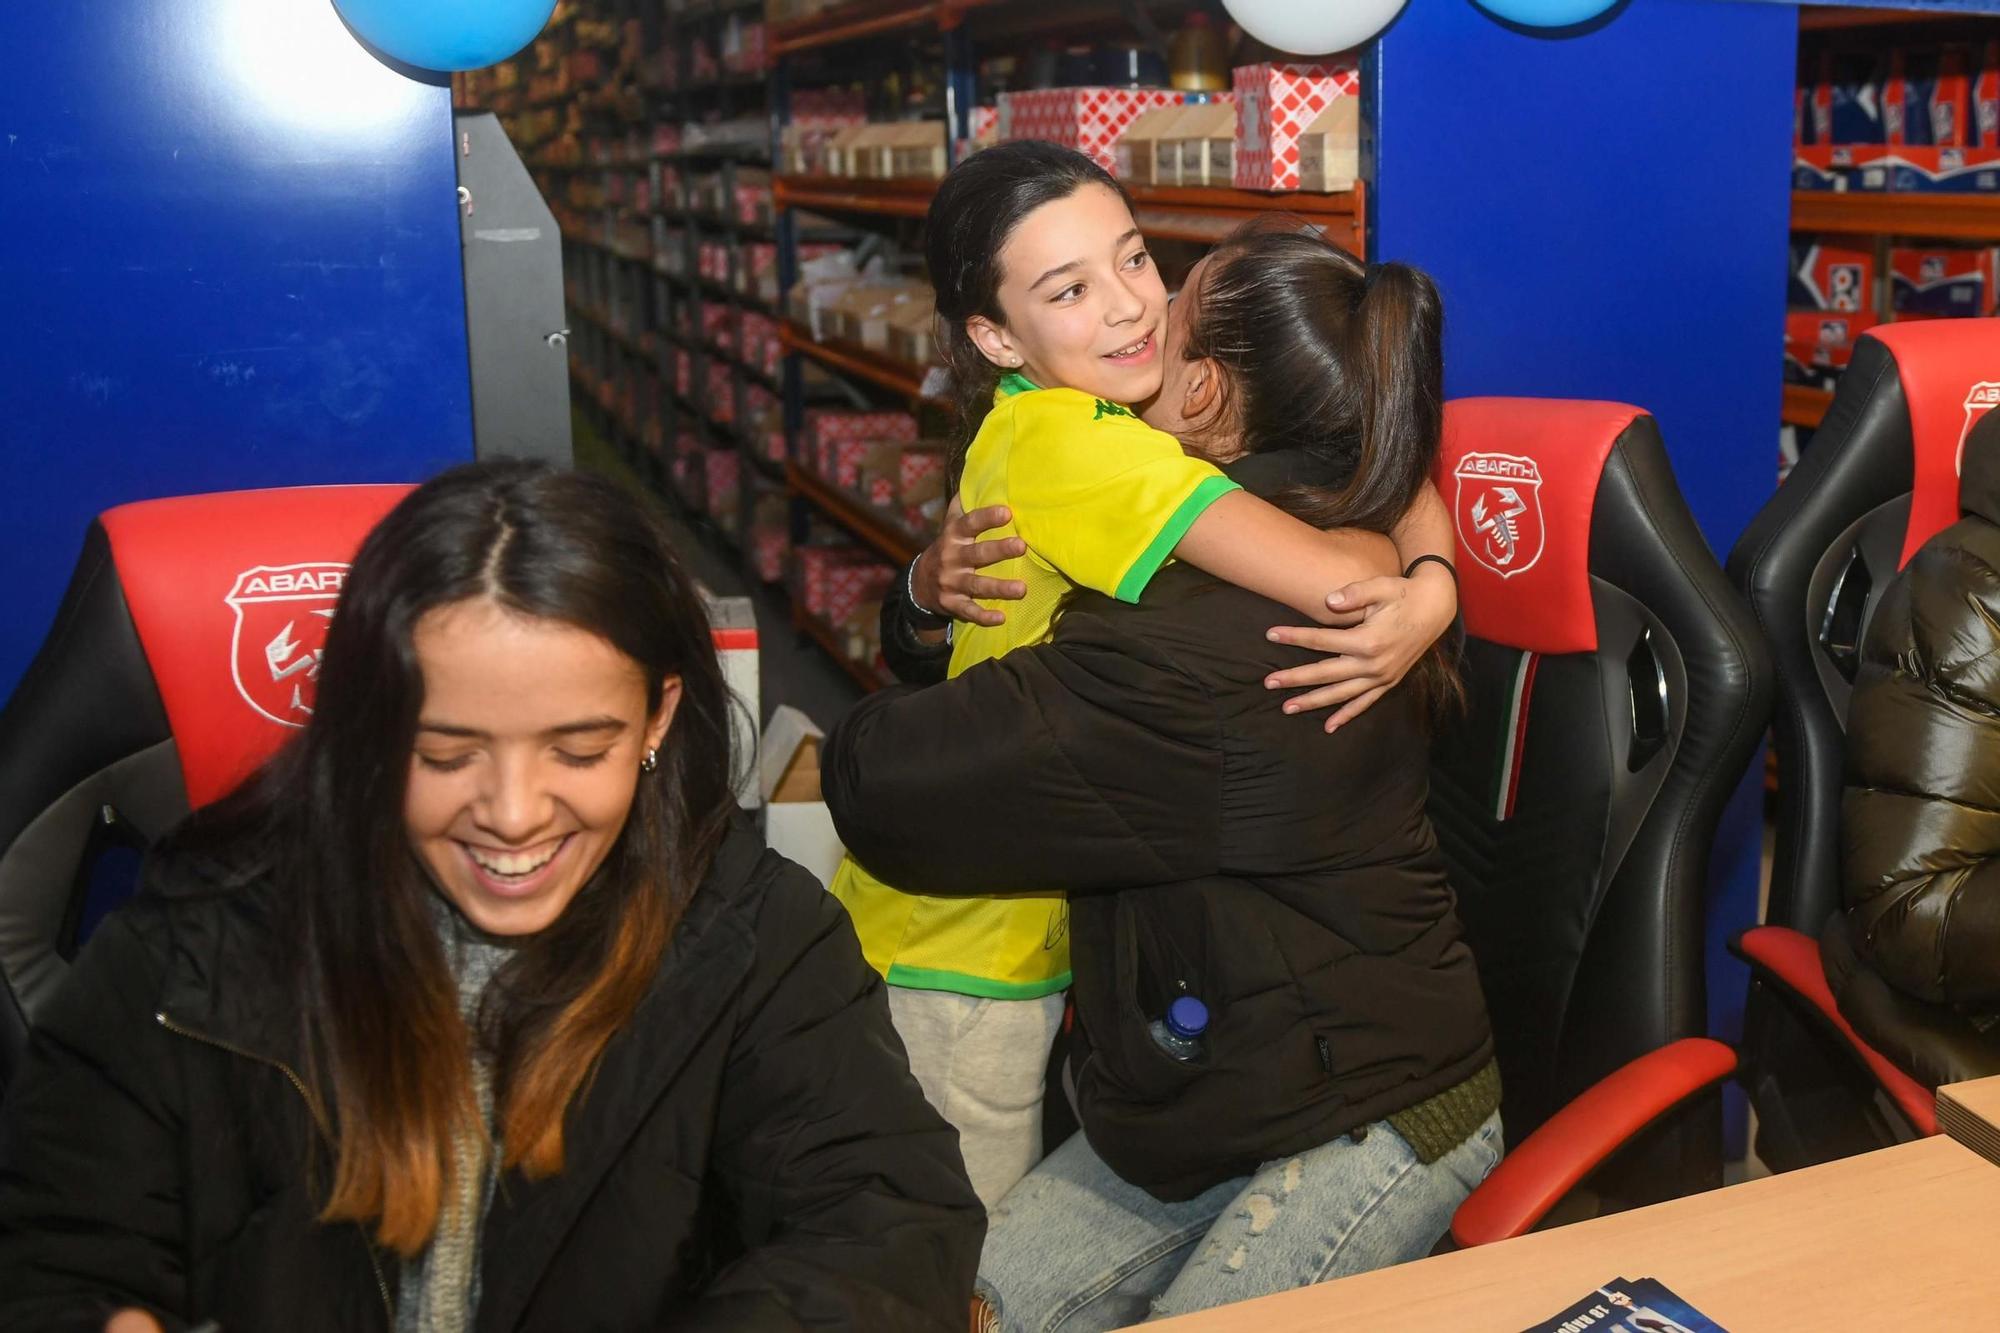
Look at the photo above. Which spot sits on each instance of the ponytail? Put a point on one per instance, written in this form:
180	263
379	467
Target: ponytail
1341	361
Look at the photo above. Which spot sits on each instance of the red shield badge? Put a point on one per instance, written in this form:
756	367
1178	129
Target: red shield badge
1979	400
1499	511
281	617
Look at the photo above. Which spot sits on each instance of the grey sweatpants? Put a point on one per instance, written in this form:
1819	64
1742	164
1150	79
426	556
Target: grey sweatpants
982	1064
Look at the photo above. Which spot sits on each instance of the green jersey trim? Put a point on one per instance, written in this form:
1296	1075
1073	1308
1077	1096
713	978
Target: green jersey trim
1162	546
984	988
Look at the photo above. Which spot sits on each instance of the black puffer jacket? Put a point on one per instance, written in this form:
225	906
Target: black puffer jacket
752	1153
1210	843
1920	819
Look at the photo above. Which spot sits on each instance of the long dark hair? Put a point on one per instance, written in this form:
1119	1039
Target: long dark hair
976	208
1341	360
385	1045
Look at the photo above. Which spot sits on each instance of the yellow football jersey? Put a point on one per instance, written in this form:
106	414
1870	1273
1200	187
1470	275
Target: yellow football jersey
1101	499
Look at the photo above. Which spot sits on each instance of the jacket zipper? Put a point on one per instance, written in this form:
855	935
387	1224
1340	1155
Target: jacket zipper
381	1283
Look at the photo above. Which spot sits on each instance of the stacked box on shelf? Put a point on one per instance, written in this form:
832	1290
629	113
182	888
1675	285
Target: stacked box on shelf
721	387
723	494
757	271
763	425
769	540
1939	282
1090	120
749	202
718	325
830	581
818	114
1276	104
834	441
1831	295
762	350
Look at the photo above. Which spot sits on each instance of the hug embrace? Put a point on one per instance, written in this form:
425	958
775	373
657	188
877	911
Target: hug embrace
1099	791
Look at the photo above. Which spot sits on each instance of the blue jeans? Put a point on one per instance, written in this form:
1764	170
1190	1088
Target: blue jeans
1073	1248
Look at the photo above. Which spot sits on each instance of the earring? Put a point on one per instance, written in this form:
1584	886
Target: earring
651	763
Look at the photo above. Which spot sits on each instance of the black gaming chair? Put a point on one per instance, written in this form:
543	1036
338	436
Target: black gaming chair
1618	689
184	651
1878	480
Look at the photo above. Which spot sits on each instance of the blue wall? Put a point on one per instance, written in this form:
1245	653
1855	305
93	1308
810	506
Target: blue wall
1607	212
229	257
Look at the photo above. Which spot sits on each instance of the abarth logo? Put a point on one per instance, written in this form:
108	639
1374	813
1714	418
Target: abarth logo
1498	509
1979	400
281	618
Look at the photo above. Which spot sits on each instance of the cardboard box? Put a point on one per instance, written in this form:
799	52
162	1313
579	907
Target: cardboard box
913	331
1842	166
1330	149
839	149
871	156
815	568
1090	120
863	314
1819	344
1134	153
1166	169
1830	277
1918	170
1985	129
918	151
1943	283
797	824
1196	133
1275	104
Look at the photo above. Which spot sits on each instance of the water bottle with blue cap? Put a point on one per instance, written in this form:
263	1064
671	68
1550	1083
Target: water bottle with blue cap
1180	1033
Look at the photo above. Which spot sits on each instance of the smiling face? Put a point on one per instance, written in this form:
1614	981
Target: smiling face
1083	305
526	760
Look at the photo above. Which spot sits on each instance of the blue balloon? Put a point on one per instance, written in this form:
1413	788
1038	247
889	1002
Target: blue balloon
447	34
1546	13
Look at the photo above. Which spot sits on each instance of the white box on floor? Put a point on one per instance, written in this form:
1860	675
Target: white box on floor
732	622
797	824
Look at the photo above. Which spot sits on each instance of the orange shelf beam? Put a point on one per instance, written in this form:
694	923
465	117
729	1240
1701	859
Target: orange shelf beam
883	371
851	514
1963	217
1805	406
870	18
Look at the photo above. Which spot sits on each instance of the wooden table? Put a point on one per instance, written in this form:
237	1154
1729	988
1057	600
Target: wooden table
1902	1238
1970	1113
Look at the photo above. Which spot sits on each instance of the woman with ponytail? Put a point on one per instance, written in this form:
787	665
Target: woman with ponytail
1340	1098
477	1006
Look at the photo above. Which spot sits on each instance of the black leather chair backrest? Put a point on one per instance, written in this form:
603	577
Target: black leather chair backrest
1617	691
1879	478
183	653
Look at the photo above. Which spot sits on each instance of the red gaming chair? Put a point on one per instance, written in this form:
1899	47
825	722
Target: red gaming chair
1879	479
184	651
1618	689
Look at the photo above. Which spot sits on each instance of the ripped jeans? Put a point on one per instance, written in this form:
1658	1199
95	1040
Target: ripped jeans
1073	1248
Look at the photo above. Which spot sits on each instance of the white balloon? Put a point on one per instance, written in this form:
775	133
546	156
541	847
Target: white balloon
1313	27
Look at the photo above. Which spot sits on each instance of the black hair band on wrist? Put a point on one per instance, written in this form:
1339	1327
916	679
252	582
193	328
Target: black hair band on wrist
923	616
1449	568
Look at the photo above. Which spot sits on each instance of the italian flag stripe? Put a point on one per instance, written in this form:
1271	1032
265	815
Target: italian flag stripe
1509	785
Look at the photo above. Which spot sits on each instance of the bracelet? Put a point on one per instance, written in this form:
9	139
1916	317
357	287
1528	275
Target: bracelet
923	615
1434	559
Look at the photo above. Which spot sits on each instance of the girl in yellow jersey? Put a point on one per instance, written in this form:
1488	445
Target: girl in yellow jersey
1051	314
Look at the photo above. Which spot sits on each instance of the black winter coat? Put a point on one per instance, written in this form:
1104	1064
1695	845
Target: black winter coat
1211	844
1916	963
752	1153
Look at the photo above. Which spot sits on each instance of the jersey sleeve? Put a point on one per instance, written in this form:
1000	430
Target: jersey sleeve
1101	495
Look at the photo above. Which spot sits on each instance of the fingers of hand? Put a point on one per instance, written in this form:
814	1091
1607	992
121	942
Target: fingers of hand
982	554
1368	592
1363	643
1328	696
985	520
997	590
1326	671
1354	709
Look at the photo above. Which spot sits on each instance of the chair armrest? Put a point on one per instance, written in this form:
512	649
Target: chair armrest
1573	1142
1790	959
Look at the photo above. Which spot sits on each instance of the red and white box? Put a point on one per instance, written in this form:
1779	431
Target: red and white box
819	567
725	477
848	586
918	465
1275	103
827	428
721	393
1090	120
683	373
1943	282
